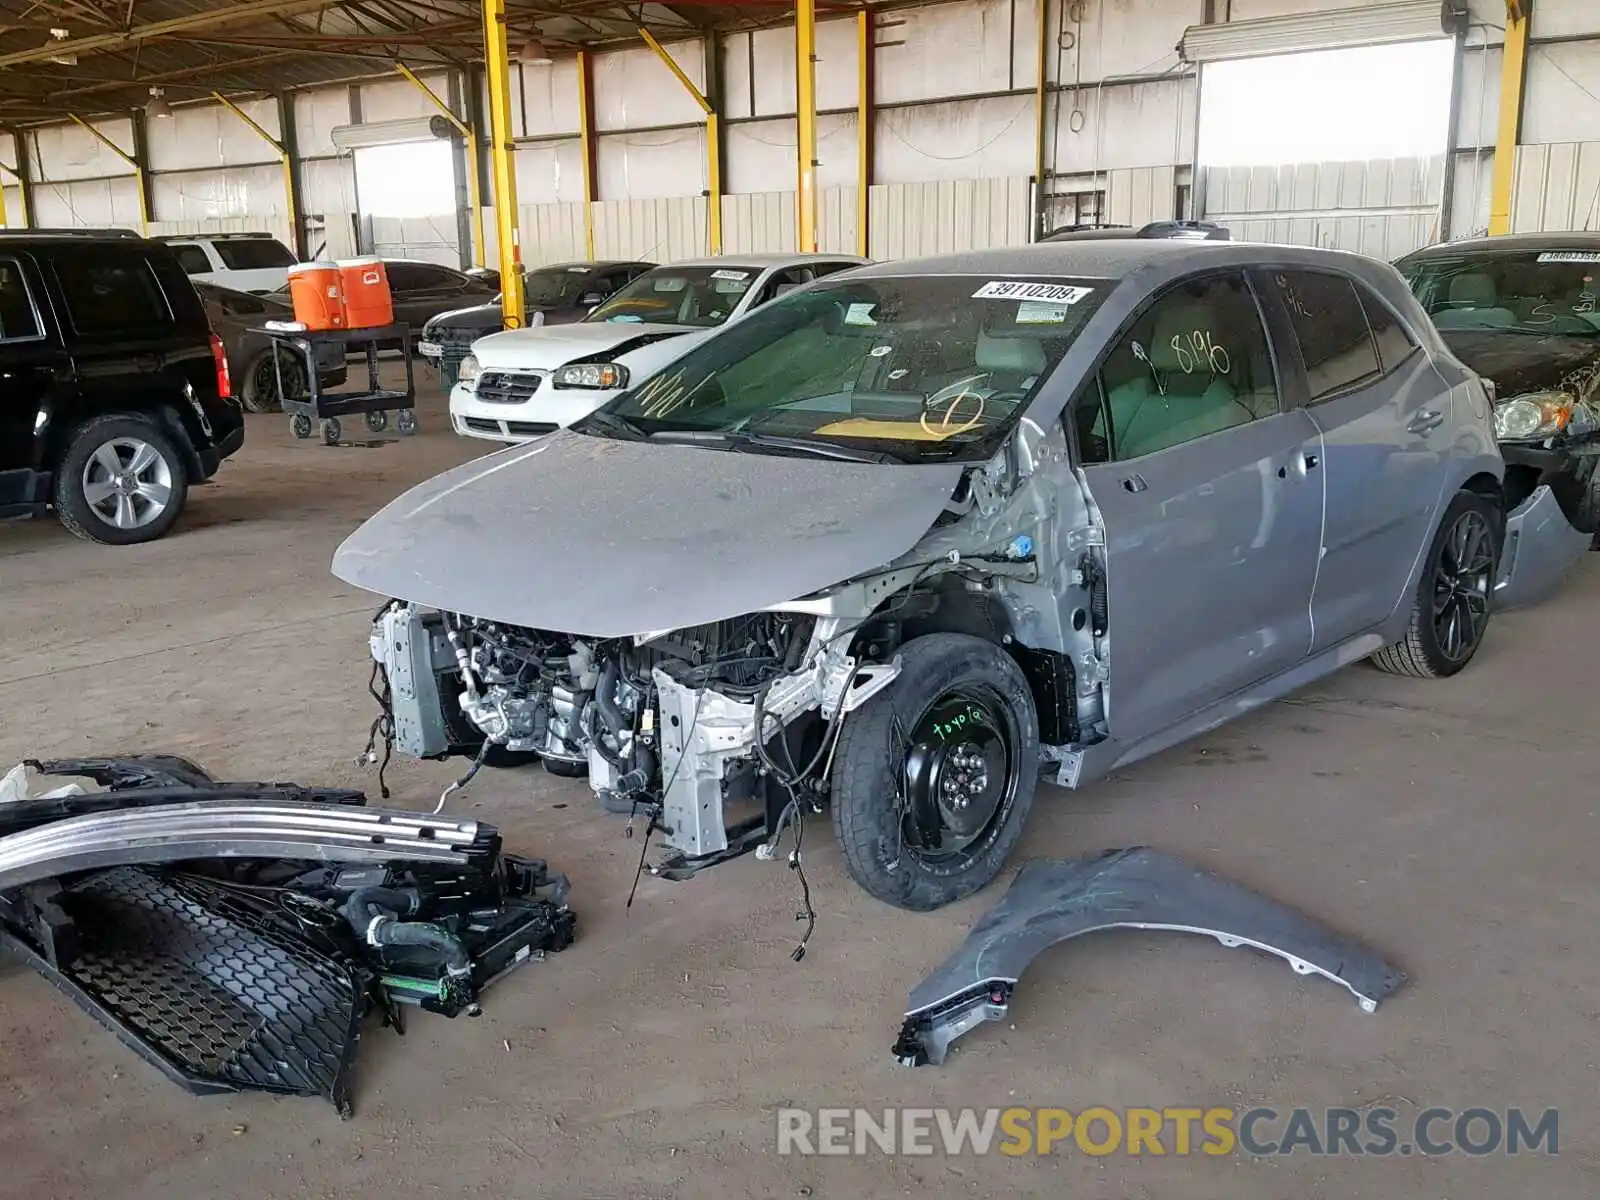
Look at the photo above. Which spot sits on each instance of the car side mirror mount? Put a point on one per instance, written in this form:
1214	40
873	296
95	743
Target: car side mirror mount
591	300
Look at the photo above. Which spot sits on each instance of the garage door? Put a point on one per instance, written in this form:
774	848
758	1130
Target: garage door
1372	25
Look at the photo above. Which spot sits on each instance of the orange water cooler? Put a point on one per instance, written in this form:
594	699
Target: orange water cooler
318	296
367	300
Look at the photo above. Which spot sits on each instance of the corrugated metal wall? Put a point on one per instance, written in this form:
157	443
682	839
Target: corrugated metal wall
765	222
1141	195
1380	207
915	219
1557	187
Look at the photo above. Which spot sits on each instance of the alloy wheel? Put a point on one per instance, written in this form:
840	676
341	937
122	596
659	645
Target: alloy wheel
1463	580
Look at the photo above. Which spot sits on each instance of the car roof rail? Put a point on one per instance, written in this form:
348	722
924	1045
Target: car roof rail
1197	230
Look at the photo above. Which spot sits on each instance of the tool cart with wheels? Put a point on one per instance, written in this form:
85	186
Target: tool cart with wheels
292	349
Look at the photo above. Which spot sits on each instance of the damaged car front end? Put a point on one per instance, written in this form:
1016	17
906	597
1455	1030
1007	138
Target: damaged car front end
1522	312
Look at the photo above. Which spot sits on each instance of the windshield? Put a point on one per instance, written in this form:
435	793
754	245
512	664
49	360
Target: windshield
915	369
1532	291
253	254
700	296
554	287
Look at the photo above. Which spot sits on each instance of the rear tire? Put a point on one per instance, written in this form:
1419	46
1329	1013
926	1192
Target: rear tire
883	759
121	481
1454	599
260	394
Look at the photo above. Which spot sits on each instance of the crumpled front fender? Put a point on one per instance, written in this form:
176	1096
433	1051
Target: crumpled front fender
1137	888
1541	547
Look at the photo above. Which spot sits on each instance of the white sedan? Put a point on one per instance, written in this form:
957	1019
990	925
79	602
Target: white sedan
524	383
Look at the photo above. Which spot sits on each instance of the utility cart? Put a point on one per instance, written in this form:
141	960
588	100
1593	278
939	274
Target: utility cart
374	404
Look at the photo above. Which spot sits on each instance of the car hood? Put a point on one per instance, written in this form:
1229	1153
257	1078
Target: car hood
1523	362
488	317
548	347
579	534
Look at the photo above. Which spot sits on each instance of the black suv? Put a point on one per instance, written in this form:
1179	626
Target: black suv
114	392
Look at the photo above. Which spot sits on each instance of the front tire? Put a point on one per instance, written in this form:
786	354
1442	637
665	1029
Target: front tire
121	481
260	392
934	776
1455	596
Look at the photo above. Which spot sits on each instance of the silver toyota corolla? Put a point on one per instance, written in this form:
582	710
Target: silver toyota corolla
872	547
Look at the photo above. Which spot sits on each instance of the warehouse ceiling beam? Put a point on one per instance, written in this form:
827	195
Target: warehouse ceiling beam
1508	129
502	167
139	176
206	19
469	138
713	141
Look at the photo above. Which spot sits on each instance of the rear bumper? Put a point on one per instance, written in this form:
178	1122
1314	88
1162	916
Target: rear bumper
1541	547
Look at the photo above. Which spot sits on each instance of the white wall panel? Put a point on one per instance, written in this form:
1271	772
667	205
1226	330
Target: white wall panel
1557	188
766	222
548	97
427	239
209	135
72	152
1126	39
213	195
1144	125
549	172
1469	203
956	49
12	197
1563	18
651	166
91	202
773	64
910	220
397	99
1478	105
652	230
1141	195
968	139
1562	102
328	185
763	156
316	112
634	88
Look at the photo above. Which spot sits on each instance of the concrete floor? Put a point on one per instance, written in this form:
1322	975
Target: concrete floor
1452	824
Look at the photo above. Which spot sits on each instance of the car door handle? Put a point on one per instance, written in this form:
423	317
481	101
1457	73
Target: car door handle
1426	420
1135	483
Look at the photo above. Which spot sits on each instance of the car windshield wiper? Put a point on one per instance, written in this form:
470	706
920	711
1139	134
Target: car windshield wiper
758	442
613	425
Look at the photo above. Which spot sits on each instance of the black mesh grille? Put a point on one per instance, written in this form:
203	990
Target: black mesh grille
495	387
521	428
209	988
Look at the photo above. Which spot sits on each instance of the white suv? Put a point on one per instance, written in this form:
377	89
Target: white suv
245	262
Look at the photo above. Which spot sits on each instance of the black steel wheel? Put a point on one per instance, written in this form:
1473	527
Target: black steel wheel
260	393
1455	594
934	776
377	421
300	426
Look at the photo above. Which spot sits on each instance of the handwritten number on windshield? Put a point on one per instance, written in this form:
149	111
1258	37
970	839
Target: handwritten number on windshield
1197	350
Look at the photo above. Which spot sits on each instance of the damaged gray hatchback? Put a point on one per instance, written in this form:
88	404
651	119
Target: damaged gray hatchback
872	547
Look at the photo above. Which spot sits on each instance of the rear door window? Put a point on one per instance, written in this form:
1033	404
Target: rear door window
1392	338
1330	324
253	254
114	293
193	260
19	318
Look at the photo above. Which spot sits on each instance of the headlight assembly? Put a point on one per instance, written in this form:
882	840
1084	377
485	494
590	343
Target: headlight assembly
467	374
600	376
1532	417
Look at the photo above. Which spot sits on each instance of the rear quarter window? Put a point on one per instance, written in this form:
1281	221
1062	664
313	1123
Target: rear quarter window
193	260
113	294
252	254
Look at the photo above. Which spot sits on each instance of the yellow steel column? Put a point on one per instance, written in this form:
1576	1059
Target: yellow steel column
713	142
586	145
1513	63
19	174
283	156
805	95
502	170
138	170
865	77
470	136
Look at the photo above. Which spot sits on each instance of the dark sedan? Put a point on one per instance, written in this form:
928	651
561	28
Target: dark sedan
1524	312
562	293
236	318
423	290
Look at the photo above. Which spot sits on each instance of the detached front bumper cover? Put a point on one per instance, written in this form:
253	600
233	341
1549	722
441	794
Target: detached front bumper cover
1138	888
1541	546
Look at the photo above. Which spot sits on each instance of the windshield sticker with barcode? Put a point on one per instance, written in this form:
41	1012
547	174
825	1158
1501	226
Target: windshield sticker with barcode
1041	312
1573	256
730	274
1001	289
